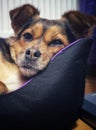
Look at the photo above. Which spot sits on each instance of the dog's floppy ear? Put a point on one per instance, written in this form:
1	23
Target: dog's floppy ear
20	15
80	24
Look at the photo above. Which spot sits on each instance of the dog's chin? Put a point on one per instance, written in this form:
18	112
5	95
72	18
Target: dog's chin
28	72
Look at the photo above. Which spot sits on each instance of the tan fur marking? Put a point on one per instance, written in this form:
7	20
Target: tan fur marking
36	30
54	32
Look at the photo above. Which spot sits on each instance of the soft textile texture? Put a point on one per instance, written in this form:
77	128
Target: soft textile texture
52	98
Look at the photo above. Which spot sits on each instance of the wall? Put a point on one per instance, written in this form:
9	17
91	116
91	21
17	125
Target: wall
52	9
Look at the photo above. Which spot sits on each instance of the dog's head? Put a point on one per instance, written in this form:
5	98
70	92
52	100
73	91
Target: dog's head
38	39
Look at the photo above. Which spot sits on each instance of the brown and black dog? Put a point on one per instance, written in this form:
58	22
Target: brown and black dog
36	41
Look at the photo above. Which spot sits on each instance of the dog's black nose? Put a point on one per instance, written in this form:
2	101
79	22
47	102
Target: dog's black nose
37	53
28	52
32	53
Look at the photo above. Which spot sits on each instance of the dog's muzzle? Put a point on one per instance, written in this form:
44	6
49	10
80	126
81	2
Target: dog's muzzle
32	54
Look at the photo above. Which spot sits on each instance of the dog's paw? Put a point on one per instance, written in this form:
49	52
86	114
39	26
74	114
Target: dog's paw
3	88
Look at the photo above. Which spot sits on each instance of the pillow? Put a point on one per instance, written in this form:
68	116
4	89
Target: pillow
52	98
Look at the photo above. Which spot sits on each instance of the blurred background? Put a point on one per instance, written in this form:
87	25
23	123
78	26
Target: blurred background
52	9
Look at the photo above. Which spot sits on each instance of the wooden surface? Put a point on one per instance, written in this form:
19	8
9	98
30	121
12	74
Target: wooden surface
80	125
90	85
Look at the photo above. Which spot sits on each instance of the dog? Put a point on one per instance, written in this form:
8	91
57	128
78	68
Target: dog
36	41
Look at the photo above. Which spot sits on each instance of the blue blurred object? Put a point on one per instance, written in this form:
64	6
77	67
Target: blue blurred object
91	97
92	56
89	7
88	111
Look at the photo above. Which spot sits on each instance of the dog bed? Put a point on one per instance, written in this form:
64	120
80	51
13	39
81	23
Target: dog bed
53	98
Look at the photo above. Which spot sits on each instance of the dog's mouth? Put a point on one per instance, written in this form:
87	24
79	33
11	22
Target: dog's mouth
30	67
28	70
27	67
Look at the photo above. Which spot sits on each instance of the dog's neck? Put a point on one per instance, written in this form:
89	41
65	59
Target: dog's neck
10	75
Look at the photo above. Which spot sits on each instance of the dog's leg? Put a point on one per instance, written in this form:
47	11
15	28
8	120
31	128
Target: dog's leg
3	88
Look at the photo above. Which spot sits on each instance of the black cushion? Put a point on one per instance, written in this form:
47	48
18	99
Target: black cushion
52	98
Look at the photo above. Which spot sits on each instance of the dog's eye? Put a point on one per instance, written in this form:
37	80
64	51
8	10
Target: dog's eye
56	42
28	36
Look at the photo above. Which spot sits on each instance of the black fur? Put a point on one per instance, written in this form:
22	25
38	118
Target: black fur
69	32
5	50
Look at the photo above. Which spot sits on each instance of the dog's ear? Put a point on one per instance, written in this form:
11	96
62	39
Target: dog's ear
80	24
20	15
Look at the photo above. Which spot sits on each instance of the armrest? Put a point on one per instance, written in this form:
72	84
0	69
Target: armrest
88	111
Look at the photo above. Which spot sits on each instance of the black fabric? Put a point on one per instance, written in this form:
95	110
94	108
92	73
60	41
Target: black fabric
53	98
